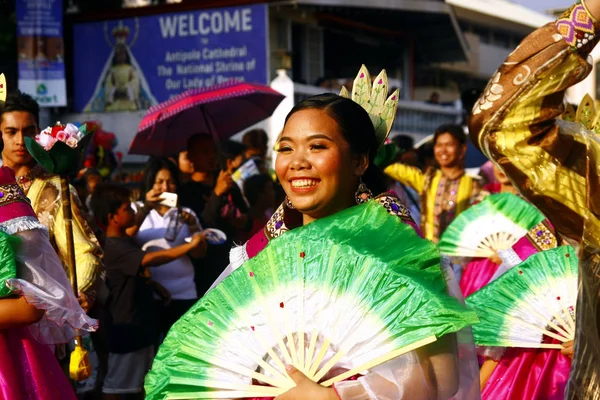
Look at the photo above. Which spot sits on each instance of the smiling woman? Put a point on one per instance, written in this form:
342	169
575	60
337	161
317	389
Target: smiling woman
324	163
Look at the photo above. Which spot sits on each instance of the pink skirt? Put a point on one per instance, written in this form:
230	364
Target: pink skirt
29	370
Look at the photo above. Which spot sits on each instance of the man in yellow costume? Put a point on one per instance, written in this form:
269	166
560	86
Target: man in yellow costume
19	118
553	162
445	192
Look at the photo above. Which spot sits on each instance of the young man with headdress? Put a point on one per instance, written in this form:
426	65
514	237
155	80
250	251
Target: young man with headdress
554	163
20	118
445	191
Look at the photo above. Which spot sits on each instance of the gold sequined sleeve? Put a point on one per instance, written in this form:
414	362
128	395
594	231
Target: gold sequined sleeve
88	253
515	121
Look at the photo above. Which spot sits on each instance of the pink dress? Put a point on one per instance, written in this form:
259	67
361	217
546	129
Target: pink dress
29	370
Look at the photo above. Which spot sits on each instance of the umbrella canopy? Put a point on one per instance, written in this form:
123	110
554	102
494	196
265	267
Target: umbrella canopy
220	111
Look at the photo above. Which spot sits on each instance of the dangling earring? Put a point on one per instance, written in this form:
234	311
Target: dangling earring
363	193
288	203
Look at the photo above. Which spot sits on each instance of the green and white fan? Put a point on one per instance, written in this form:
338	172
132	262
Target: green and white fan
497	223
355	290
531	304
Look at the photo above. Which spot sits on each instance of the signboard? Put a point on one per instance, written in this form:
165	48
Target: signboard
41	51
131	64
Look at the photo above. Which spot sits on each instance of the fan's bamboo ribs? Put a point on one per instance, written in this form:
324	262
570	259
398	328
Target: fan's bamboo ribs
379	360
264	365
215	384
226	394
318	359
527	345
311	349
244	371
542	330
268	349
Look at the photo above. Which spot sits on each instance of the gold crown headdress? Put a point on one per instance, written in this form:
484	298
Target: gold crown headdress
373	98
586	114
2	90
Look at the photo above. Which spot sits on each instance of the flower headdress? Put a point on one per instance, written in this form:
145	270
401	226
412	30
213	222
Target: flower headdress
373	98
2	90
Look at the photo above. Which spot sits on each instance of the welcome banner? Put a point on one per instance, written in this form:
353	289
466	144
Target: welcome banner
131	64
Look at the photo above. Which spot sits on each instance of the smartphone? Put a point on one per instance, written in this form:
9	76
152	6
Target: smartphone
168	199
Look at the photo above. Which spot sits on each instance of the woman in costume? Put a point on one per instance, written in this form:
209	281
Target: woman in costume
39	310
478	272
446	191
325	153
554	163
516	373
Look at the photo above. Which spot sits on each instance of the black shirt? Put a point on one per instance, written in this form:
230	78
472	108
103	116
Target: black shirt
131	324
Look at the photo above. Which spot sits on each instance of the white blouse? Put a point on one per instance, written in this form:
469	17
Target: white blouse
177	276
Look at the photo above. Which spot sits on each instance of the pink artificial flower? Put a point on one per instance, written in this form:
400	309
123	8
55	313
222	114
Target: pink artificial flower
380	81
362	75
71	130
62	136
45	140
72	142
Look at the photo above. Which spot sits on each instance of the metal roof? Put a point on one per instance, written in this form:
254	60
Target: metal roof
503	10
431	23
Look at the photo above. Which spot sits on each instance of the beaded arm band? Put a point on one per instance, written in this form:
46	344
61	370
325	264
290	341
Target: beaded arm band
578	28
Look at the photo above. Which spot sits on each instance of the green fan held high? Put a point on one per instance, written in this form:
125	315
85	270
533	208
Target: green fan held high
497	223
313	301
532	305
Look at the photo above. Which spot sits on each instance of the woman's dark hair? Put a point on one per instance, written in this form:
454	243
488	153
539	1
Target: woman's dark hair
107	200
456	131
355	126
152	168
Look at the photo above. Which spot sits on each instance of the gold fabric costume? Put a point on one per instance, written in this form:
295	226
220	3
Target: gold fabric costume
45	196
553	163
442	199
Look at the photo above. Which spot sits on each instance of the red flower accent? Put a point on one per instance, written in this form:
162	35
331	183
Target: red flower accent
56	129
362	75
520	272
567	255
380	82
210	323
281	304
558	298
302	255
251	274
252	328
394	98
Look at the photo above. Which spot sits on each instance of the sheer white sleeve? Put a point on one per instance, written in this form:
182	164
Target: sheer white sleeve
42	281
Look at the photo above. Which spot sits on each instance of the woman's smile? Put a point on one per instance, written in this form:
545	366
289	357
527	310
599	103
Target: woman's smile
303	185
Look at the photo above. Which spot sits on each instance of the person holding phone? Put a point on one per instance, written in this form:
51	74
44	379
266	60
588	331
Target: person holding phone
164	225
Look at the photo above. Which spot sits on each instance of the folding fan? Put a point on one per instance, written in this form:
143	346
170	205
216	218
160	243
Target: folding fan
321	296
497	223
530	304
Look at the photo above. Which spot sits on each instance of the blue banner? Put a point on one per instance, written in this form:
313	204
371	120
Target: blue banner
131	64
41	51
